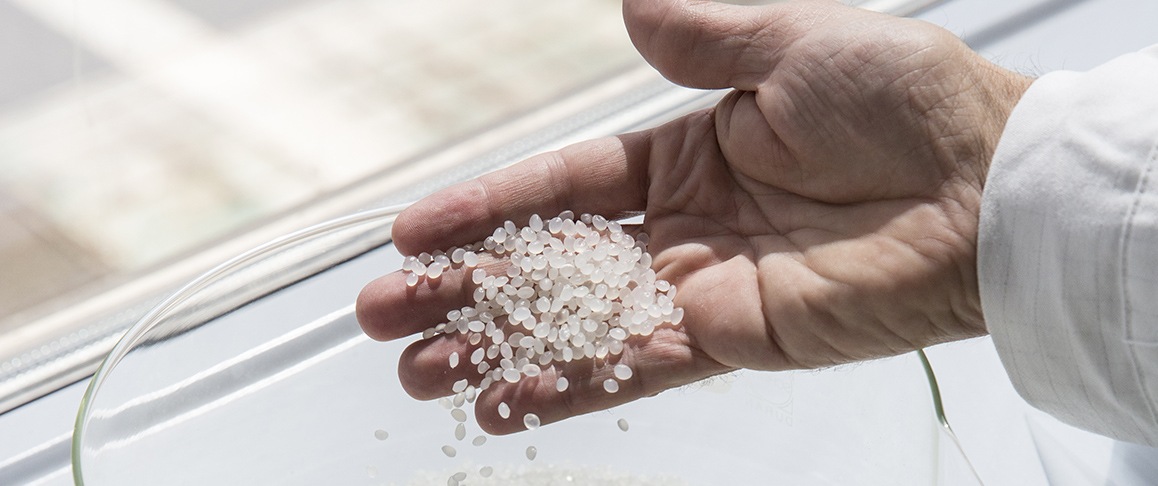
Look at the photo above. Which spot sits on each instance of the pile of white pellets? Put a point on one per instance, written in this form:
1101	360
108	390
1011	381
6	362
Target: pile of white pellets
567	290
548	474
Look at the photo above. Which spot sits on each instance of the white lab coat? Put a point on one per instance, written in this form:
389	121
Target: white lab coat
1068	247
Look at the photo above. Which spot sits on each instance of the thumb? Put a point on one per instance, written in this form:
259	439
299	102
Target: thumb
710	45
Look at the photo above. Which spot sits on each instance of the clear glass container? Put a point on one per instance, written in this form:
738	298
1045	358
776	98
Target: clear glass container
257	373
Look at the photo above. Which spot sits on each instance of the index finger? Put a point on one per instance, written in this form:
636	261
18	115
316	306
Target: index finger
605	176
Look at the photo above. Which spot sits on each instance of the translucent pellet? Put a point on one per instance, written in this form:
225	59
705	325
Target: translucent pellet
453	359
531	421
381	434
511	375
458	414
504	410
622	424
459	385
411	280
486	471
532	452
479	440
449	451
460	431
445	403
561	384
435	271
470	259
459	399
610	385
622	371
459	476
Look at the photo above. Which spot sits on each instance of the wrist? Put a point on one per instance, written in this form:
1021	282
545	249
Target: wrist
994	92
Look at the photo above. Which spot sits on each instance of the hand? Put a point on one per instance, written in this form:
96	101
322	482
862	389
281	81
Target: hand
824	212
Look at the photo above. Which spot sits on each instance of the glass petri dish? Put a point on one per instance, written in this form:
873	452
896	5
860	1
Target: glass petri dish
257	373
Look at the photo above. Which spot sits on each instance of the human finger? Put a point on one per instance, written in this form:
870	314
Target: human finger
604	176
711	45
388	308
663	360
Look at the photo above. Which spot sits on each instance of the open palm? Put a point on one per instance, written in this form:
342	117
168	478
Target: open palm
825	212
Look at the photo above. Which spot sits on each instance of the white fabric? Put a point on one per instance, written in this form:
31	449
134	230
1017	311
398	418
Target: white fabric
1068	247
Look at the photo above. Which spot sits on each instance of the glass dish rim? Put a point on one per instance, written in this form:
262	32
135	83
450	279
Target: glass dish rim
151	318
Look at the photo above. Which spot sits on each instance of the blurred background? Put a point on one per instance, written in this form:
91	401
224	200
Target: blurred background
133	132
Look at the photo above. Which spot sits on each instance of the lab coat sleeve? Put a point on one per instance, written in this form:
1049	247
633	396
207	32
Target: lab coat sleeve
1068	247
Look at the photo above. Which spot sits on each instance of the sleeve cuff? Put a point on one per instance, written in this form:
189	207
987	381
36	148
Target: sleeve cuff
1068	247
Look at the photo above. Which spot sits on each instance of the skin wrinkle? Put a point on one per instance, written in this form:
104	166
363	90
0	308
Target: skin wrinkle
786	152
494	212
835	356
560	176
844	283
717	318
754	34
879	323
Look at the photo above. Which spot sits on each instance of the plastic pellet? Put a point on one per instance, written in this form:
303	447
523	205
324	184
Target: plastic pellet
511	375
486	471
381	434
459	385
444	402
449	451
622	371
532	452
561	384
610	385
504	410
622	424
460	431
453	359
458	414
531	421
480	440
477	356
